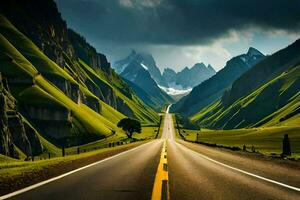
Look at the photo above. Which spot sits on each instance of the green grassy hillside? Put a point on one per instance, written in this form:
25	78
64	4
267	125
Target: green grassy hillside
274	103
85	102
213	88
266	95
146	115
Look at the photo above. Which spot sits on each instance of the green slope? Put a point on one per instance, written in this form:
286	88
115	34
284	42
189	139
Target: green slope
275	103
146	115
41	62
30	75
212	89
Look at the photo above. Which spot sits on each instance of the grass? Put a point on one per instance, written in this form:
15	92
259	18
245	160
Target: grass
5	159
110	113
92	121
269	105
21	58
14	167
31	52
11	167
42	98
146	134
267	140
146	115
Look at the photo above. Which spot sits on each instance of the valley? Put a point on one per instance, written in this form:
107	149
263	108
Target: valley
115	114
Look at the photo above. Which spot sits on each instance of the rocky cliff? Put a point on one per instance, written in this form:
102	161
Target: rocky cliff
14	132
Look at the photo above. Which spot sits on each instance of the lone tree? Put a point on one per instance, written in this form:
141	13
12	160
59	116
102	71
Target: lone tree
130	126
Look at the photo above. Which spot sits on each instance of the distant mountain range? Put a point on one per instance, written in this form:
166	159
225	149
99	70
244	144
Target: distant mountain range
268	94
141	70
144	75
145	61
188	78
212	89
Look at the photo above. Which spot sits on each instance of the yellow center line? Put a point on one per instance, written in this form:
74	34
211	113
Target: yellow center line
161	184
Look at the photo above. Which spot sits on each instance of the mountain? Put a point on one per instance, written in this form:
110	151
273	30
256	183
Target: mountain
57	88
188	78
169	75
174	84
213	88
266	95
146	61
136	68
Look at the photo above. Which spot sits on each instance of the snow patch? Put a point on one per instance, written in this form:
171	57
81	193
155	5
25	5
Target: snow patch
243	59
144	66
173	91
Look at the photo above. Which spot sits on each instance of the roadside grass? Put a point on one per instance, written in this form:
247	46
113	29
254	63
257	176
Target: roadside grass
11	167
267	140
162	124
117	139
147	133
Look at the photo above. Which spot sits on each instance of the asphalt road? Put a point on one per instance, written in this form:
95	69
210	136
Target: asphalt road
200	172
195	172
129	176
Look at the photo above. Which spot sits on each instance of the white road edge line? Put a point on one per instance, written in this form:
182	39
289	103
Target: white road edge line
240	170
68	173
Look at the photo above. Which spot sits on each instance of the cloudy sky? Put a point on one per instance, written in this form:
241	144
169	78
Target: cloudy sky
179	33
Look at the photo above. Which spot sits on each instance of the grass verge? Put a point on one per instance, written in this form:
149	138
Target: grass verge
15	174
266	140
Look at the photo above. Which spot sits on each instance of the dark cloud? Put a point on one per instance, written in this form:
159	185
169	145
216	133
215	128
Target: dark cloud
176	21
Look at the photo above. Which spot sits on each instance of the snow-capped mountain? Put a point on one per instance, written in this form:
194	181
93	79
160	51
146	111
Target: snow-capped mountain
139	67
140	71
145	61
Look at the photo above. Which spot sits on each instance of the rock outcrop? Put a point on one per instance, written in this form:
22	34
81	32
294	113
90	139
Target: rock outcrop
13	130
6	143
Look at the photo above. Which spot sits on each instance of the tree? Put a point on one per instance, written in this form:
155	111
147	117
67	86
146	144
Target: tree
130	126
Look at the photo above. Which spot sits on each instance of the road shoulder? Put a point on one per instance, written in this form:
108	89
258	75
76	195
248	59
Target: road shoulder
32	173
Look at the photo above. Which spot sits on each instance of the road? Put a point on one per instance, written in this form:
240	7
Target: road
193	172
200	172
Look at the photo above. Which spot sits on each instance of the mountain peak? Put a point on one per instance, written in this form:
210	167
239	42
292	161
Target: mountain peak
169	70
132	53
199	65
254	52
210	68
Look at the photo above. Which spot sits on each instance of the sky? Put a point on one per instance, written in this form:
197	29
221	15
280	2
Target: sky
180	33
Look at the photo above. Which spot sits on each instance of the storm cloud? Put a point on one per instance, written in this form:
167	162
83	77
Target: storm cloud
179	21
181	32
